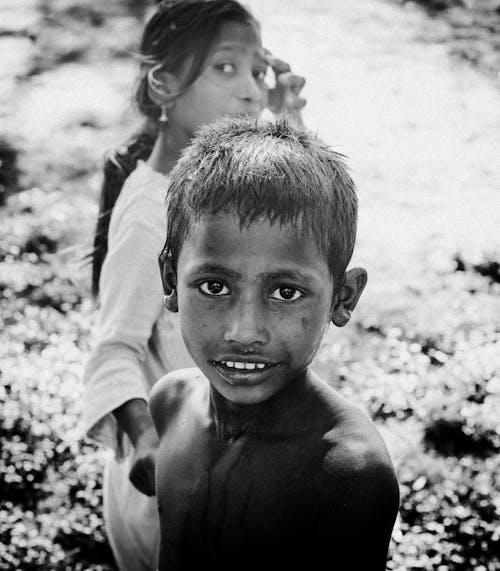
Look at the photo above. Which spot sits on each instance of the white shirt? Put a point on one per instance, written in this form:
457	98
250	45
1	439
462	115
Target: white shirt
138	341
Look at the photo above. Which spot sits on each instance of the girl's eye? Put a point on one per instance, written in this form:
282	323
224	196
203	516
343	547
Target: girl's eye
213	288
227	68
259	74
286	293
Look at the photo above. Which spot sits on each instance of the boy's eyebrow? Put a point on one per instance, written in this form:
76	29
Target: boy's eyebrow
211	268
287	273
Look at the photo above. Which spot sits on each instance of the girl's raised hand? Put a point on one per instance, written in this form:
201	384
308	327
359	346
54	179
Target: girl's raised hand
285	97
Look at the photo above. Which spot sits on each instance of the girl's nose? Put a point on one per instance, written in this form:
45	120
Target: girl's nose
250	90
246	325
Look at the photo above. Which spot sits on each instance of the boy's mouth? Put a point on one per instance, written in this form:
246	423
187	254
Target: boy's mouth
244	365
246	372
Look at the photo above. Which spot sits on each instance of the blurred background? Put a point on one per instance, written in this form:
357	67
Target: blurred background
410	92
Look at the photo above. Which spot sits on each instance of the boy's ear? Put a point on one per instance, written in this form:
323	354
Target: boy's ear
348	296
163	87
169	281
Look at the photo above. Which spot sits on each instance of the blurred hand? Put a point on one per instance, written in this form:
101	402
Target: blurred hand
285	96
142	471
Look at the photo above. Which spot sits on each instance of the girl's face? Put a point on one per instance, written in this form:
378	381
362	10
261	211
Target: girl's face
232	82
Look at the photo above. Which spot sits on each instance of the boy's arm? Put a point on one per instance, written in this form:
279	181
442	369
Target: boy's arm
169	396
359	505
158	402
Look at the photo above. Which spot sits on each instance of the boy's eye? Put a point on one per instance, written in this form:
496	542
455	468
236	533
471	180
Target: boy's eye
286	293
213	288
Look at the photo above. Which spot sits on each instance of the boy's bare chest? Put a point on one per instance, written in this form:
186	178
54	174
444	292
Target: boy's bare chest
232	492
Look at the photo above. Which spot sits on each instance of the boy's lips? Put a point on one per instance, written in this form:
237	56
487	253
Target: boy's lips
247	371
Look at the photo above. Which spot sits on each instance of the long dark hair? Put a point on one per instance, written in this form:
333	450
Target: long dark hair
179	32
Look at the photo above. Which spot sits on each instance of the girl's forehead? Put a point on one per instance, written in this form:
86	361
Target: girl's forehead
235	36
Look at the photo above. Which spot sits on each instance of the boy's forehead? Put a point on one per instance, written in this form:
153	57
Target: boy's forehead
222	239
221	225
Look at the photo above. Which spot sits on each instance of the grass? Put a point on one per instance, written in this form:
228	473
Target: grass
424	363
425	367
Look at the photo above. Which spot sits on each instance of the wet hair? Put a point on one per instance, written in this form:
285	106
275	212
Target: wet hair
178	37
271	170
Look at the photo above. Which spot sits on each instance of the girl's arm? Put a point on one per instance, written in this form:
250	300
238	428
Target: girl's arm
116	392
134	419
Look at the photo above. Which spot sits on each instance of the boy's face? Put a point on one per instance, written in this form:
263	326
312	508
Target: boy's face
254	304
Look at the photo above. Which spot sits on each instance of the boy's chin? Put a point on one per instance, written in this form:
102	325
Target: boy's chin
244	396
247	389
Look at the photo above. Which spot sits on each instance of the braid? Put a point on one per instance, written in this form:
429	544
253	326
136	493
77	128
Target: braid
117	167
179	33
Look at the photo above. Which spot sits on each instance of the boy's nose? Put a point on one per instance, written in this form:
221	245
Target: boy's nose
246	325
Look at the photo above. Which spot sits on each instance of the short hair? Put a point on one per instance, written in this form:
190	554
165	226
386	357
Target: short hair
258	169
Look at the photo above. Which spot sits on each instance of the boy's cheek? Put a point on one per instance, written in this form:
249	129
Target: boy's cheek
305	329
305	324
315	317
199	315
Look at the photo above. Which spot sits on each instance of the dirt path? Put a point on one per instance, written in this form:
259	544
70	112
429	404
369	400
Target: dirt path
422	131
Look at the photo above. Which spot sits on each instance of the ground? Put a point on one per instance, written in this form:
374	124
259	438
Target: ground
412	97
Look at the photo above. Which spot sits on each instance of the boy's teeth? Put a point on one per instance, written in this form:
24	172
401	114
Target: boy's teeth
241	365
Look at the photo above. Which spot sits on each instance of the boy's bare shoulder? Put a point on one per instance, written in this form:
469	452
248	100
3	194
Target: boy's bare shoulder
354	443
172	392
177	383
358	489
357	465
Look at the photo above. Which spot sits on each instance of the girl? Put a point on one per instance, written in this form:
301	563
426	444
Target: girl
200	60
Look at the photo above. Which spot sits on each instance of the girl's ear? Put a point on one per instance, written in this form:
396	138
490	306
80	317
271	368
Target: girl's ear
169	281
163	87
347	298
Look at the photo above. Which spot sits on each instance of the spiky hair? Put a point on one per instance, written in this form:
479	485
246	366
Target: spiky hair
271	170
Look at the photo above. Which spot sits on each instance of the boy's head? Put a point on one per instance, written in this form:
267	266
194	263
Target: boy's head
269	170
261	223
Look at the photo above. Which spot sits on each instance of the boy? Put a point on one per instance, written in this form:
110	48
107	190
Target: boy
261	464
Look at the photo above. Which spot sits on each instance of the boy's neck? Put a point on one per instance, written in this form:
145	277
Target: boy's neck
274	416
231	420
167	149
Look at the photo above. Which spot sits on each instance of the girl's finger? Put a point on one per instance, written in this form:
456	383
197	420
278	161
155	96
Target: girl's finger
296	83
297	104
278	65
293	82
